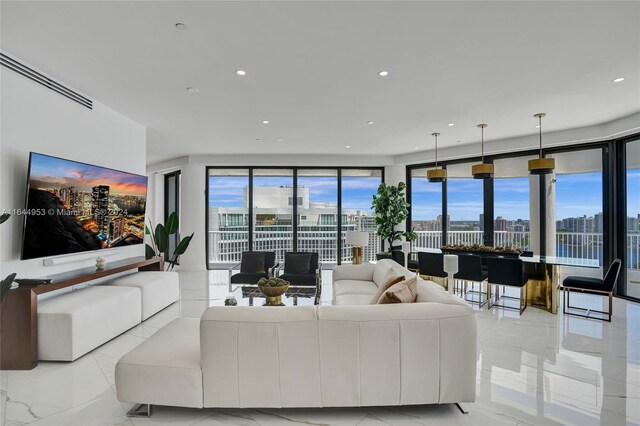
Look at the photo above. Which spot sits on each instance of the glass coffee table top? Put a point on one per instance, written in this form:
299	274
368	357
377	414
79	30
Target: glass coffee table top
250	295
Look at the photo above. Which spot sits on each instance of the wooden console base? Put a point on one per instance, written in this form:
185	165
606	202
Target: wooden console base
19	310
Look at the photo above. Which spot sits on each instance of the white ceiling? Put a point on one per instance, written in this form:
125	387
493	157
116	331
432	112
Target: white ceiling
312	69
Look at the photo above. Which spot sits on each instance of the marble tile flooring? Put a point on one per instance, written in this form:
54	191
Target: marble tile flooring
535	369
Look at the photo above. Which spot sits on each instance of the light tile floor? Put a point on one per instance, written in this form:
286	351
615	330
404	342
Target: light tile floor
535	369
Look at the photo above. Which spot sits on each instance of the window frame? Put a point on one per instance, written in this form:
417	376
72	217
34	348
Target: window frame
294	170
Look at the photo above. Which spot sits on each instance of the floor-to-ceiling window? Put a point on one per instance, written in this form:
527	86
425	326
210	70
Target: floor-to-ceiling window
272	210
227	214
426	210
632	243
465	205
317	223
358	187
511	203
579	205
286	209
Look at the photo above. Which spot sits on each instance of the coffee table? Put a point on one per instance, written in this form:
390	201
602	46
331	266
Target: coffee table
250	295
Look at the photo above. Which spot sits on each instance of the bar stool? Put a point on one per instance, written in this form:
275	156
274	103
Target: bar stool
432	265
470	270
591	285
506	273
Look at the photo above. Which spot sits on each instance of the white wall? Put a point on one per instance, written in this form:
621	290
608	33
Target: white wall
34	118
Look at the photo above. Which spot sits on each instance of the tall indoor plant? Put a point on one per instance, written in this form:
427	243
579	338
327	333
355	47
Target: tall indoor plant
391	209
160	241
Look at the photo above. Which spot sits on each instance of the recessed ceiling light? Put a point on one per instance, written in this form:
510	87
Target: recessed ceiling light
369	122
192	89
241	72
415	147
279	140
348	146
451	124
618	79
537	127
181	26
383	73
265	121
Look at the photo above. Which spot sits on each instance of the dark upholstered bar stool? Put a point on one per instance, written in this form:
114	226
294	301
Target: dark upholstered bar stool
591	285
470	270
432	264
507	273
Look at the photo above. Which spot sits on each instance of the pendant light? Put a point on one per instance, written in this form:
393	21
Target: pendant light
482	170
541	165
438	174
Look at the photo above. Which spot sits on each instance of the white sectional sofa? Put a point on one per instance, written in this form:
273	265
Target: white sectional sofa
350	354
74	323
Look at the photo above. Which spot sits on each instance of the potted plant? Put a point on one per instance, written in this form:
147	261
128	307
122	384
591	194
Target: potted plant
159	246
391	209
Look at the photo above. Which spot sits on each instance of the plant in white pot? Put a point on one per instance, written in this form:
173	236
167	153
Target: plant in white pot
391	209
160	246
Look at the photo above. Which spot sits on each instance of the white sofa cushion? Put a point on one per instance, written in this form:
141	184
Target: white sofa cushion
260	357
383	266
159	289
355	287
72	324
165	368
361	272
352	299
428	291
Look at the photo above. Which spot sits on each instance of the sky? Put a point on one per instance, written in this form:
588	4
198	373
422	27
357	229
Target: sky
52	172
576	194
357	192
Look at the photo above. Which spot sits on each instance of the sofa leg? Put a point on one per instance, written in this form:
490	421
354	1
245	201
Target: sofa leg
140	410
462	408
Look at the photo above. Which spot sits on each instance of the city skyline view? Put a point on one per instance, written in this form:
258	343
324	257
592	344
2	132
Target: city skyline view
53	172
357	191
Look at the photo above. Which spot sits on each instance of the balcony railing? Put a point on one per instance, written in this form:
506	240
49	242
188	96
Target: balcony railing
227	246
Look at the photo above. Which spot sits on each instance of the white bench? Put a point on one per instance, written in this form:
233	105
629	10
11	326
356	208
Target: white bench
72	324
159	289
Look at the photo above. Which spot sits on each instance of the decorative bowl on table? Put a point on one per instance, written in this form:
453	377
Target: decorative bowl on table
273	289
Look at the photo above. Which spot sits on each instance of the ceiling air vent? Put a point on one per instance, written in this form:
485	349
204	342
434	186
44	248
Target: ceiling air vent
34	75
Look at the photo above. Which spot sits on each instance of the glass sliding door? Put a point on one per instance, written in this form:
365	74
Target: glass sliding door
273	202
317	223
227	214
579	226
511	203
172	203
358	188
426	210
465	206
632	251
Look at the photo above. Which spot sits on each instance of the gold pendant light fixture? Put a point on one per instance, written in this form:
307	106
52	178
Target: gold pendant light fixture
438	174
482	170
541	165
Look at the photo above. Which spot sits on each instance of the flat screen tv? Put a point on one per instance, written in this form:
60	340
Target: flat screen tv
74	207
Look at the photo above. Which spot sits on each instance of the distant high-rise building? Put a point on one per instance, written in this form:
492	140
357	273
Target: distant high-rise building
500	224
100	207
481	220
116	228
598	223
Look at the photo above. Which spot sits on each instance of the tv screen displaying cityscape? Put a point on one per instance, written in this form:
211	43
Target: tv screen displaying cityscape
73	207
